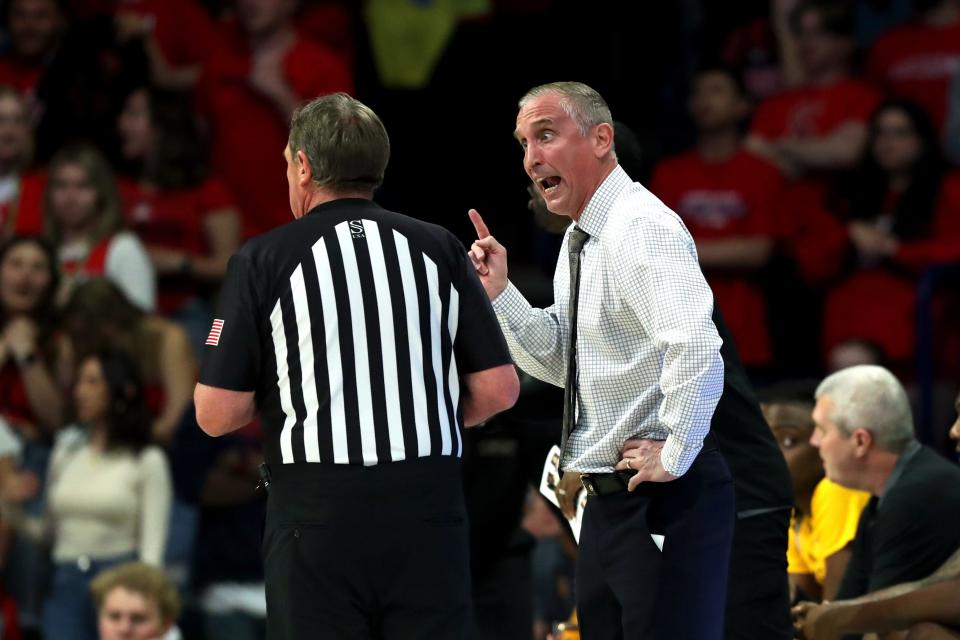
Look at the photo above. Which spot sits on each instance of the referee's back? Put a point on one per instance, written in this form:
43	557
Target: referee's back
353	325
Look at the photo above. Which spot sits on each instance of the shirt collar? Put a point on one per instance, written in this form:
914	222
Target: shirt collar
910	451
594	215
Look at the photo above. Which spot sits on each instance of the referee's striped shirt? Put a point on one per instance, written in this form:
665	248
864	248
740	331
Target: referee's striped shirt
353	326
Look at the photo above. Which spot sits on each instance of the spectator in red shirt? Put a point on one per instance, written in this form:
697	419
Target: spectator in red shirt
764	52
726	196
35	28
821	124
84	221
248	91
918	60
177	36
902	214
186	219
21	191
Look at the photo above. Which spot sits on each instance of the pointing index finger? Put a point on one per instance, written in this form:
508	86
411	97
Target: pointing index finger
478	224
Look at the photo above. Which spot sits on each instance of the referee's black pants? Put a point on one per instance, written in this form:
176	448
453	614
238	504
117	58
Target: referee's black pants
362	553
627	589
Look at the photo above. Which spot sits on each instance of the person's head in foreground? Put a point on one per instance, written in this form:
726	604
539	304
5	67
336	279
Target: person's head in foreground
862	424
135	601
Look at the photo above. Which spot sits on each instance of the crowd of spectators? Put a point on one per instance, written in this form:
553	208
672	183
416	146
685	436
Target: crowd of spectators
141	143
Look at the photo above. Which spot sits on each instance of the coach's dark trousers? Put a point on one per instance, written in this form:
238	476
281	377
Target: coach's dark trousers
367	553
627	589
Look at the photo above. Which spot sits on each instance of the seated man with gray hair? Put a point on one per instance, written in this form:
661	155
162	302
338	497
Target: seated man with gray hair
864	431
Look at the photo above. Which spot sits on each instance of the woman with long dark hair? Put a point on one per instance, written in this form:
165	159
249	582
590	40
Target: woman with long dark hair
902	214
32	351
98	316
185	217
108	492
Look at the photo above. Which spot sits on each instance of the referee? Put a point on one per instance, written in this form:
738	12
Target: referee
365	341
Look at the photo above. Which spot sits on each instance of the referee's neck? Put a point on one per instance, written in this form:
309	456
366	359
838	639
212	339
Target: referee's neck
322	195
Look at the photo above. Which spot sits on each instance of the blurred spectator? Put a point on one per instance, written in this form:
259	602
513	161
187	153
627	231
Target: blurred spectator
178	36
764	52
84	221
248	91
917	61
821	124
864	431
228	578
34	370
135	601
36	28
728	198
21	190
108	493
825	514
98	316
854	352
186	219
901	216
328	23
32	367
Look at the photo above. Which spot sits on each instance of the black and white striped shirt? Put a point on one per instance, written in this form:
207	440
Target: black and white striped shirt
353	326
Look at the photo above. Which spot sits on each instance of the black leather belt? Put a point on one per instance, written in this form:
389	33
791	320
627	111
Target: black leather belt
601	484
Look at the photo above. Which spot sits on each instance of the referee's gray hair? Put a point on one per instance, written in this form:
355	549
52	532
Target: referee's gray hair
870	397
583	104
345	142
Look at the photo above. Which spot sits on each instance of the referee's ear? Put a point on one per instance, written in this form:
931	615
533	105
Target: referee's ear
304	170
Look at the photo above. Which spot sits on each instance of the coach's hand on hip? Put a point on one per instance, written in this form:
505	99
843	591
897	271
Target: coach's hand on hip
489	258
643	456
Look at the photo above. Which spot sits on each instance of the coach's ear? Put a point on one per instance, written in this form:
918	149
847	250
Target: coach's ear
602	139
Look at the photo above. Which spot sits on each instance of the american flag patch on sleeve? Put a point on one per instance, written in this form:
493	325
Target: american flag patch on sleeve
214	337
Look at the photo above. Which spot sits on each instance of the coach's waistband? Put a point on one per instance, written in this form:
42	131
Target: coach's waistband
602	484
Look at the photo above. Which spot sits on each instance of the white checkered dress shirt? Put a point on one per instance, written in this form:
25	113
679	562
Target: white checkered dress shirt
648	353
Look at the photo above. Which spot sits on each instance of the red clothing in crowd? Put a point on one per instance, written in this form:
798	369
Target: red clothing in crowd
733	198
24	214
20	76
328	24
917	62
753	50
184	30
248	131
876	302
174	220
814	111
15	406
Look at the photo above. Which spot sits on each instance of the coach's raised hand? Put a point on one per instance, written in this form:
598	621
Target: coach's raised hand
489	258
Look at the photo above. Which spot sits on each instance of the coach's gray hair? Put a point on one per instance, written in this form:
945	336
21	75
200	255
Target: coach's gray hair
345	142
870	397
585	106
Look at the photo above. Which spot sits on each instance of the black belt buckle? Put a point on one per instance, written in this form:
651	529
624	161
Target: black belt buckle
589	484
265	478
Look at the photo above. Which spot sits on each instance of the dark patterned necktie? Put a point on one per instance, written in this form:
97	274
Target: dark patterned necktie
578	237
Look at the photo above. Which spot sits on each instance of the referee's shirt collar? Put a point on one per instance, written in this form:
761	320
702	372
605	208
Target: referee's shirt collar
341	203
595	214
